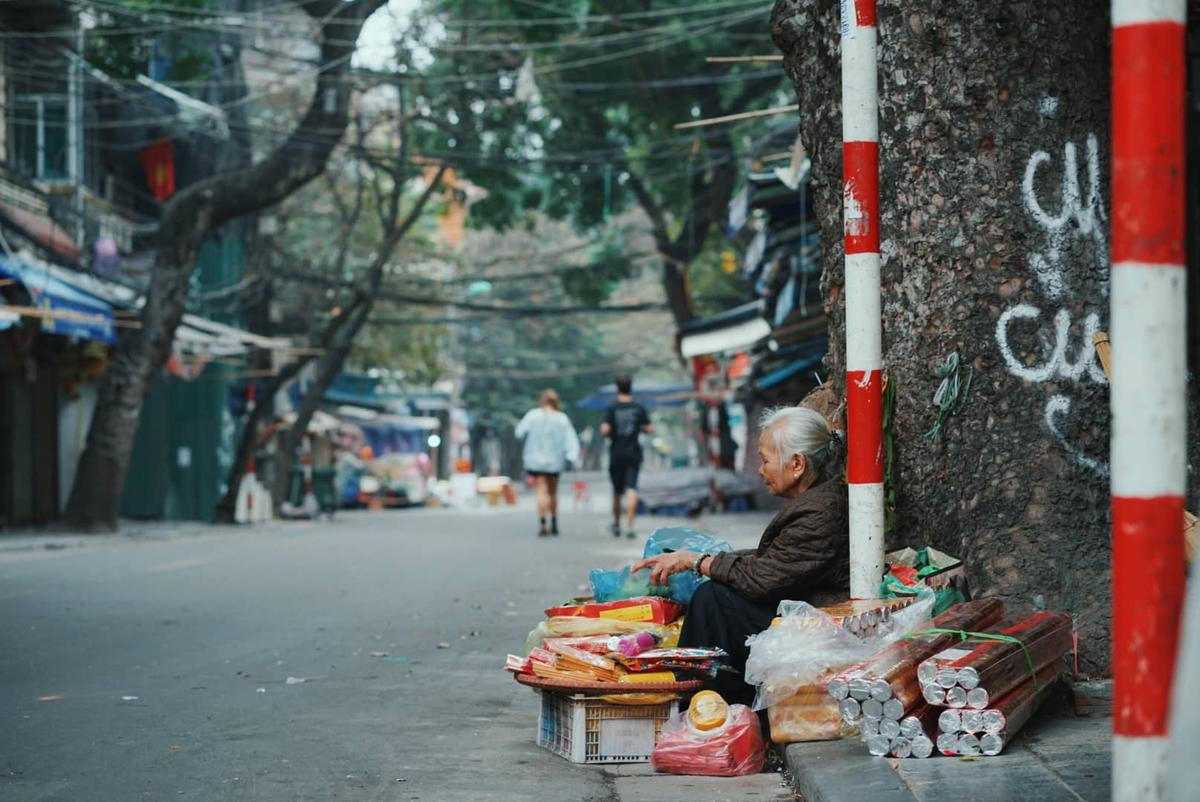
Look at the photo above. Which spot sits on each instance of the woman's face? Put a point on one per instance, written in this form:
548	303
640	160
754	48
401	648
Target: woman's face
780	479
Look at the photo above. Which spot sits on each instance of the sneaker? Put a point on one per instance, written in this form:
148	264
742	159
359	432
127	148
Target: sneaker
632	534
542	531
616	530
554	526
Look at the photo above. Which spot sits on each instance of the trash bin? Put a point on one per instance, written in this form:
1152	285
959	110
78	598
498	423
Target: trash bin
324	488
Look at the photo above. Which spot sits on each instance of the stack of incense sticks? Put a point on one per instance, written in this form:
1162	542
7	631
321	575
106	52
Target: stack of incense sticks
988	731
863	617
973	673
885	685
883	695
810	714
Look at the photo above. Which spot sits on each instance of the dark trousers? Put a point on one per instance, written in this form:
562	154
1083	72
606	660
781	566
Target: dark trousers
720	616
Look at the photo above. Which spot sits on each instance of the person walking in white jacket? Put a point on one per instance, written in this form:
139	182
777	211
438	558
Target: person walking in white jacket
550	444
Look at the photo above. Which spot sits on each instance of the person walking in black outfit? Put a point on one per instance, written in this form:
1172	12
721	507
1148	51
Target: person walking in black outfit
624	421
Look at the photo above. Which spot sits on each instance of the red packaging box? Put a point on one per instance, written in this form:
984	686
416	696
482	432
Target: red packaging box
652	609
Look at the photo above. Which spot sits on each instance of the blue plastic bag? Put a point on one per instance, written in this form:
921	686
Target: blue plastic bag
616	585
682	538
623	584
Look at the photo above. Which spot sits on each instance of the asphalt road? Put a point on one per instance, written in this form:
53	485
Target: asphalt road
353	660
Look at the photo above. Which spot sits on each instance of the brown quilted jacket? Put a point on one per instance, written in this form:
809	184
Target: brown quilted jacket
804	552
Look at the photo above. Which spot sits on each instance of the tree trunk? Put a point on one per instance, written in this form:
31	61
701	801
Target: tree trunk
186	220
711	190
340	333
329	365
994	227
226	509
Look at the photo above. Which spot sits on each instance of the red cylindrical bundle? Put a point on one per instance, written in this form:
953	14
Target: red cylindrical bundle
942	668
990	673
1007	716
897	659
996	666
1009	713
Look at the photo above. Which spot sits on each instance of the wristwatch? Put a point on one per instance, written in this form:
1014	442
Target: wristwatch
696	565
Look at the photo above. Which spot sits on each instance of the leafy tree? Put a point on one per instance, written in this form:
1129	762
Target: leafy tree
508	362
351	229
179	41
572	112
187	220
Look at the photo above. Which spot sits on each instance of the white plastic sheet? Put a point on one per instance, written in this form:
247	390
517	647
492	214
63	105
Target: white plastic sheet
807	647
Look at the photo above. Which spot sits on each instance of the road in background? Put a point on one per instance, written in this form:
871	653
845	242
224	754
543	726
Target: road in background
358	659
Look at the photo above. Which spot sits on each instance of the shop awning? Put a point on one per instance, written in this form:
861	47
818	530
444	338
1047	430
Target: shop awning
195	335
62	309
229	339
733	330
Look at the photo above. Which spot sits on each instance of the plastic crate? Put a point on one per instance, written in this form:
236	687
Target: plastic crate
586	729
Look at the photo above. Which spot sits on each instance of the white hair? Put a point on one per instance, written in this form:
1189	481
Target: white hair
800	430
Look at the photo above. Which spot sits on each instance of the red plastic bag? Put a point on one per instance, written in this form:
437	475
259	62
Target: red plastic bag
733	749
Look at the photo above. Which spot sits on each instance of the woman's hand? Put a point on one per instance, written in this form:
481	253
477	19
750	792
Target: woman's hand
663	565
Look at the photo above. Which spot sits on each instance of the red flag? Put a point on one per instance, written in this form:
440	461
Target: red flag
158	160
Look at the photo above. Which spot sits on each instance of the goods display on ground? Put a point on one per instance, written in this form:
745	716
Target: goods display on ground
611	673
909	683
967	658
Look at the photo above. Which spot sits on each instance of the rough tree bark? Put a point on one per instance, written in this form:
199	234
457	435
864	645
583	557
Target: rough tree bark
186	220
994	198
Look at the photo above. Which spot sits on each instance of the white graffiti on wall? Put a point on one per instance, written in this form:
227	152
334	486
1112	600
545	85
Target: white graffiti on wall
1080	219
1079	216
1058	364
1056	406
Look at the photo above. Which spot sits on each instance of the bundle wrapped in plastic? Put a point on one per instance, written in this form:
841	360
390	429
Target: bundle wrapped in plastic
809	646
568	626
730	750
625	584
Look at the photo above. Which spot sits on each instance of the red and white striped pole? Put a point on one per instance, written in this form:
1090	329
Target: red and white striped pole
1148	307
860	201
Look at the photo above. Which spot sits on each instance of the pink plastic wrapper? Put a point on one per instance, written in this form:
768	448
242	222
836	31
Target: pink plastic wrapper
733	749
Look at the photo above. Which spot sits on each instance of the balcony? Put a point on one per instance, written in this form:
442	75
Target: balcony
67	219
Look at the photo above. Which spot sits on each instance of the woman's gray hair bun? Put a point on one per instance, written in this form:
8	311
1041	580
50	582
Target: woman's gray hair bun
800	430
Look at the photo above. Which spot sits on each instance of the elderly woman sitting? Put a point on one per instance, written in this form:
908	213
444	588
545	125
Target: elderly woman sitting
803	554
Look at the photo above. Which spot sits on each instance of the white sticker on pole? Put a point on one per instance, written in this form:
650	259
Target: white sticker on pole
847	19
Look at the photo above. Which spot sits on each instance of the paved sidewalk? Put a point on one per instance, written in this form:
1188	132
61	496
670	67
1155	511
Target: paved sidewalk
637	782
1054	759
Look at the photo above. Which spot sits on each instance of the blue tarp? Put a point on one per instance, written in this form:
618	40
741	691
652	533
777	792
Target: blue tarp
779	374
389	438
49	293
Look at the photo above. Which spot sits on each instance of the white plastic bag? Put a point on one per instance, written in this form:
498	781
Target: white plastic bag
807	646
